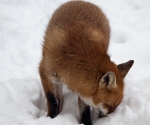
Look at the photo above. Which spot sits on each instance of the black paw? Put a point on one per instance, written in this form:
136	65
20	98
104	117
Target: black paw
54	105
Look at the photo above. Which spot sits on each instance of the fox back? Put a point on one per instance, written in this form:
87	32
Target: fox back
75	54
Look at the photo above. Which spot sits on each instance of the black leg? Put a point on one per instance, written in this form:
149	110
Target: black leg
84	111
53	104
85	119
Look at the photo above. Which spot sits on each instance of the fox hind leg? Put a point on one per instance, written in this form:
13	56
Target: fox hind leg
53	93
54	104
54	101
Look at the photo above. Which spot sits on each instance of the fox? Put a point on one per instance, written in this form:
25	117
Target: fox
75	54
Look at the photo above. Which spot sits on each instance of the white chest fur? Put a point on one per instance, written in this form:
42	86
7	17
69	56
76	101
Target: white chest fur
97	108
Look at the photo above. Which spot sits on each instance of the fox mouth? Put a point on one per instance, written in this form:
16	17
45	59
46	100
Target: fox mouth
101	114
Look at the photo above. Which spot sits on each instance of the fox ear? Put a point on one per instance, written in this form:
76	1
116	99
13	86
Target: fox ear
125	67
109	80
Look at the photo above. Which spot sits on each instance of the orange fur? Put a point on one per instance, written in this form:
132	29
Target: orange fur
75	47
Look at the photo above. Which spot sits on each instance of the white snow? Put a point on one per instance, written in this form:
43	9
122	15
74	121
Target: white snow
22	26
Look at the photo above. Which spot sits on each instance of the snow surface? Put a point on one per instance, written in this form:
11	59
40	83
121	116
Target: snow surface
22	26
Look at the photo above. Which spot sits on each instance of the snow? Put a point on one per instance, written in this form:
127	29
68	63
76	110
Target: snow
22	26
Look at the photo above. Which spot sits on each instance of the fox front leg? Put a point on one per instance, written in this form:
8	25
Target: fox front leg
84	111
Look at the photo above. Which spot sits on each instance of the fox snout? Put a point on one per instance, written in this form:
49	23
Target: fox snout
103	111
101	114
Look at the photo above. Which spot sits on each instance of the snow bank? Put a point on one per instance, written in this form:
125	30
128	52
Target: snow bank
23	102
22	26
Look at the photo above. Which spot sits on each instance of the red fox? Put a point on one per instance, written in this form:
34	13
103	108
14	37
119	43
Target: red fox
75	53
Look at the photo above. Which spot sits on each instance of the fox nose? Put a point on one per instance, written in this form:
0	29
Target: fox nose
101	114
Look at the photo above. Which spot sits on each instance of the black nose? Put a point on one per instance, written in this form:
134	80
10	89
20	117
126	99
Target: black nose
101	114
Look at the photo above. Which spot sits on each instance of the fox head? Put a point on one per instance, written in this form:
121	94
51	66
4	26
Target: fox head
109	92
